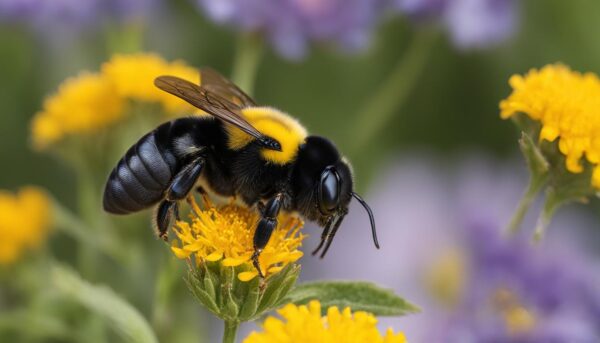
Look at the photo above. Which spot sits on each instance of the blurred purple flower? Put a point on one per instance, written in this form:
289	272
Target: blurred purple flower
48	12
44	14
471	23
291	24
440	228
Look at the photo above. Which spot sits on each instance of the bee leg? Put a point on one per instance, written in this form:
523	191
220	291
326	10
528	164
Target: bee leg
265	228
176	211
162	218
184	180
324	236
180	187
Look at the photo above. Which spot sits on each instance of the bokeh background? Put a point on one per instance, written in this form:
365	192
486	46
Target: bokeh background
444	168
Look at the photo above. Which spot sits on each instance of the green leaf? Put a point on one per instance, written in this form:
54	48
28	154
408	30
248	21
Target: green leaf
123	318
359	296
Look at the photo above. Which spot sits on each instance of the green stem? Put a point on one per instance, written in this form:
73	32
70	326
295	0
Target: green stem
393	92
533	189
551	204
168	276
70	224
87	211
125	38
230	331
246	62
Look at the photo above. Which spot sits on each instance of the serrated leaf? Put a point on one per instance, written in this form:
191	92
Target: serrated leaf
122	317
359	296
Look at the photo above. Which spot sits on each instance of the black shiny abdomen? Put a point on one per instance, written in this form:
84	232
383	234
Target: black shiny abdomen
142	176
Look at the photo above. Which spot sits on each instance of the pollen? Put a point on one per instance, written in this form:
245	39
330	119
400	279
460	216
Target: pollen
225	234
133	76
567	105
305	324
25	219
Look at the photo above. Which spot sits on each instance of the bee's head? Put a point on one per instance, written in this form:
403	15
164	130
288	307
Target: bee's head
323	181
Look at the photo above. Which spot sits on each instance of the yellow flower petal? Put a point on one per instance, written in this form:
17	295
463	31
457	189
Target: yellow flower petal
300	324
247	276
233	262
215	256
180	253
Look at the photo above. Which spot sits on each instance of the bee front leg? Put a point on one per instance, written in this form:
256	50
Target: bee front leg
265	227
180	186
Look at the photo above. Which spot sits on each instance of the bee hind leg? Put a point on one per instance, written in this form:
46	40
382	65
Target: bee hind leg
162	218
181	185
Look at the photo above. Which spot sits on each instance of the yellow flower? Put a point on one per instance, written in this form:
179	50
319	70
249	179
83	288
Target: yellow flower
24	222
225	233
83	104
305	324
567	105
133	76
91	102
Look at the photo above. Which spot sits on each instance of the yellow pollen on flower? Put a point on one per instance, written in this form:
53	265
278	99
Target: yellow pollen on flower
300	324
133	76
225	233
567	104
446	278
517	318
25	219
83	104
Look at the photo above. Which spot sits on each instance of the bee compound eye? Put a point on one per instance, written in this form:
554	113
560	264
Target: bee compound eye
329	191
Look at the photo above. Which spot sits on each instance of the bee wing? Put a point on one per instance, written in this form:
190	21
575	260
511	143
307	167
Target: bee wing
218	84
208	101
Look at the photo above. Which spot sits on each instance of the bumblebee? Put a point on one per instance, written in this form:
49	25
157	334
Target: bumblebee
259	154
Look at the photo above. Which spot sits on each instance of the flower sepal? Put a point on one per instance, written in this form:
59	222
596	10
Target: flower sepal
218	289
562	180
549	167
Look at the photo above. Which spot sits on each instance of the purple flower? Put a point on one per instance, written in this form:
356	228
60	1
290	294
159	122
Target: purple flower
443	247
44	14
291	24
471	23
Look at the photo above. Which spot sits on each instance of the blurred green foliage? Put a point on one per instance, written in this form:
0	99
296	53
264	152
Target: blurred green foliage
452	107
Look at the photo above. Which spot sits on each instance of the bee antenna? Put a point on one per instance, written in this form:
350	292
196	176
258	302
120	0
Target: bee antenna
371	217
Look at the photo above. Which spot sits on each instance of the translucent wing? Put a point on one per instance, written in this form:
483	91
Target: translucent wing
214	104
220	85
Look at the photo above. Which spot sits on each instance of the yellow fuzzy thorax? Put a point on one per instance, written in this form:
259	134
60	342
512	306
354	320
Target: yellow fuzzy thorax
275	124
